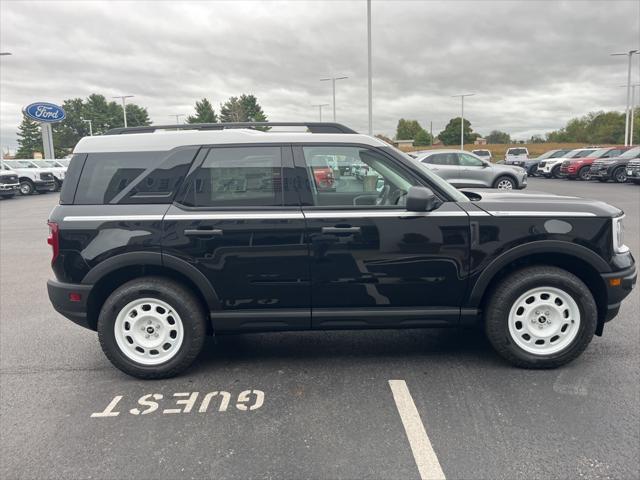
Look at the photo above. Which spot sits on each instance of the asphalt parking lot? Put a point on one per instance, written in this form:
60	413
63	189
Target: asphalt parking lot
306	405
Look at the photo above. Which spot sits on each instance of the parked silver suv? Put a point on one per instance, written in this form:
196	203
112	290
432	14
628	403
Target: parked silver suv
464	169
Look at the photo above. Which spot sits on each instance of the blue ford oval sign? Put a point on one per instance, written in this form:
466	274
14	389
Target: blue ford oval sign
44	112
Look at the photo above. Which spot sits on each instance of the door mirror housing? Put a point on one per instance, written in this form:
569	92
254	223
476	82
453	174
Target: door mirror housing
421	199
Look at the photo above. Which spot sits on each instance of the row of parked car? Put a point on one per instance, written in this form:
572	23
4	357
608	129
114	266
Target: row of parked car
619	164
29	176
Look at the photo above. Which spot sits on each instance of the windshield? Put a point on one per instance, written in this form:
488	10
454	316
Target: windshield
45	163
559	153
452	191
517	151
23	164
633	153
578	153
548	154
601	152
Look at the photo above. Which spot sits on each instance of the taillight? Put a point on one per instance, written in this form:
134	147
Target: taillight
54	240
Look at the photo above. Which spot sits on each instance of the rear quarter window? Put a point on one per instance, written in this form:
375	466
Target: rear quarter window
133	177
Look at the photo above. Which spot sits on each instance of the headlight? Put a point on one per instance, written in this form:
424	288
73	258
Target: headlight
618	235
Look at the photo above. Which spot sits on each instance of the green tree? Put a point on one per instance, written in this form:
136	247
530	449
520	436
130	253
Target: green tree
407	129
498	137
422	138
29	138
451	133
204	113
103	114
242	109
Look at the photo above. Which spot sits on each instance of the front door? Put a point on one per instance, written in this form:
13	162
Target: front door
373	263
233	224
474	172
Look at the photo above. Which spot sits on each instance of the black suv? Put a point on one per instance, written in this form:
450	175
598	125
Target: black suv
164	237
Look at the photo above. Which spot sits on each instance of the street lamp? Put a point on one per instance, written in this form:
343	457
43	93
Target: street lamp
124	107
333	82
369	68
320	105
626	122
177	115
90	127
462	95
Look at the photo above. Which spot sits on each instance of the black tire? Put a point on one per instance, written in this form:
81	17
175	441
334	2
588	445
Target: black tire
181	299
555	172
583	173
26	187
503	179
507	292
58	185
620	175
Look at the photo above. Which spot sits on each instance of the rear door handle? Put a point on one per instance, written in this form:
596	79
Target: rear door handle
210	232
340	229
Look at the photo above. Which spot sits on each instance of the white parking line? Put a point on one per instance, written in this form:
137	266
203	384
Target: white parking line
425	457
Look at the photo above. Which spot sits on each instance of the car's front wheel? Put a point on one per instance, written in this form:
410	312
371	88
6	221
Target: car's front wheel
555	171
584	174
620	175
152	327
540	317
26	187
504	183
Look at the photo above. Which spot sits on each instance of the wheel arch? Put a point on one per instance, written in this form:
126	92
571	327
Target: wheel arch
110	274
579	260
507	175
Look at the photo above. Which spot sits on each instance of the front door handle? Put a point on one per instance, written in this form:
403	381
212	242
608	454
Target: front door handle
340	229
210	232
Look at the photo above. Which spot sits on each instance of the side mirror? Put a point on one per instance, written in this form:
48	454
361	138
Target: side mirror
421	199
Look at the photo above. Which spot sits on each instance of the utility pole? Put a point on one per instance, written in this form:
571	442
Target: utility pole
462	95
633	108
177	116
629	54
431	131
369	68
333	83
90	127
320	105
124	107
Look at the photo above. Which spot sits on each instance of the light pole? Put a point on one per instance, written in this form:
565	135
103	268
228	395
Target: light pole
462	95
320	105
2	149
124	107
369	69
177	115
633	105
629	54
333	83
90	127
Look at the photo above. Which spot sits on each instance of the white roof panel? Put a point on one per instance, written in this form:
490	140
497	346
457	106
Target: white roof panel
164	140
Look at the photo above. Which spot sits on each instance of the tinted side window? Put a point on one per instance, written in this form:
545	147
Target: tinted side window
71	178
237	177
442	159
133	177
467	160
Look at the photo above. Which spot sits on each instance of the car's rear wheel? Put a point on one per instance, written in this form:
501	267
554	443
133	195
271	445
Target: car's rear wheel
26	187
504	183
620	175
152	327
540	317
555	171
583	173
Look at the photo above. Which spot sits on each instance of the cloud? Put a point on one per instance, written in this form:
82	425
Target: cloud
533	65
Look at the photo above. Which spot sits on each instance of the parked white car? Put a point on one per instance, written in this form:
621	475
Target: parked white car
54	166
9	183
483	154
32	179
516	156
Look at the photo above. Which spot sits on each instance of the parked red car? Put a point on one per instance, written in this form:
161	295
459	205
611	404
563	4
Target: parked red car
578	168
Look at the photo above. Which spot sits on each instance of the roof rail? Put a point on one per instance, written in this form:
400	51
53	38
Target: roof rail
313	127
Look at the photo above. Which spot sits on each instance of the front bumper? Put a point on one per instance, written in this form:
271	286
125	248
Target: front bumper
76	311
9	188
45	185
619	285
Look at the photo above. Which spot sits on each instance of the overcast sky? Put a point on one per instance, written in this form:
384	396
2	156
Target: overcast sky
532	64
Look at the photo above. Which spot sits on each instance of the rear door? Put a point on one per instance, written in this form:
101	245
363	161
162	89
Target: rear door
234	222
445	165
373	264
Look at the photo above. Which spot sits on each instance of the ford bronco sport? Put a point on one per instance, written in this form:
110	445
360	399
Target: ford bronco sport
164	237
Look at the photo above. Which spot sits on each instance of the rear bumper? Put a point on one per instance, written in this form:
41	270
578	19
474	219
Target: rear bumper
619	285
76	311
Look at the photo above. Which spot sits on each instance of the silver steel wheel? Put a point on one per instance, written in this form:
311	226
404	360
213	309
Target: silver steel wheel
544	320
26	188
149	331
505	184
